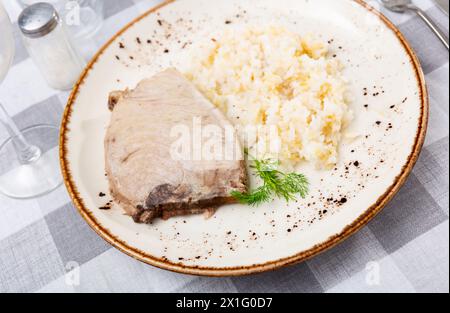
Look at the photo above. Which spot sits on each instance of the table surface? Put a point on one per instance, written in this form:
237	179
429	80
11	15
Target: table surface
45	246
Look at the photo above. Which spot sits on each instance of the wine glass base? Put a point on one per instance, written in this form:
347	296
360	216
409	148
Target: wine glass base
25	181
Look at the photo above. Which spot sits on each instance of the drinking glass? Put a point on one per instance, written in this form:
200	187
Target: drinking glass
83	18
29	162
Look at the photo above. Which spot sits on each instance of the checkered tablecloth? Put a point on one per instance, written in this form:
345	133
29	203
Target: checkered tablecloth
405	249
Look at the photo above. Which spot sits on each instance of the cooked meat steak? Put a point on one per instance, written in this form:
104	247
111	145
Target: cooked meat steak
145	178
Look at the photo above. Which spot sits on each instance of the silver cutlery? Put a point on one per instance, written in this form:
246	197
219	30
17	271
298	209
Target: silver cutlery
401	6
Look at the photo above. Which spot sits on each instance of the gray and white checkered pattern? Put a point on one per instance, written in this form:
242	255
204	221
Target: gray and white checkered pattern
408	243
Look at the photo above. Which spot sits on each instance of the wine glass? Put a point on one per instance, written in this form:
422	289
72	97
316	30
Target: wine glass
29	162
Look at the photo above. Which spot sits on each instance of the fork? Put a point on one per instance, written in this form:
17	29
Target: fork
401	6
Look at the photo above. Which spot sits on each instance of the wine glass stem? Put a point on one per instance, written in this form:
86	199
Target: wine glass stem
26	153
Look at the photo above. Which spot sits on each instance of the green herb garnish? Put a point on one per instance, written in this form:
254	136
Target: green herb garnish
275	184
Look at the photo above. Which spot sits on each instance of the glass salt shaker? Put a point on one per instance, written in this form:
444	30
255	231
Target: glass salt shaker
83	18
49	46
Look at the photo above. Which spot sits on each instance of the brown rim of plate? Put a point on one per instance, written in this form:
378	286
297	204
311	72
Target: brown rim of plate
256	268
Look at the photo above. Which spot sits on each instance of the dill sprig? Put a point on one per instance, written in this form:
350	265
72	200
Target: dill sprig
255	198
275	184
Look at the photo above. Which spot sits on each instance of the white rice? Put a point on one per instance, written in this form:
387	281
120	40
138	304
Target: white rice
276	79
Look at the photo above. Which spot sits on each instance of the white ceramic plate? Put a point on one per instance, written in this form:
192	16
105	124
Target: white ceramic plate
389	100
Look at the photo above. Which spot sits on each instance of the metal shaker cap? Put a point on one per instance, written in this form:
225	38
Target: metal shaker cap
38	20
